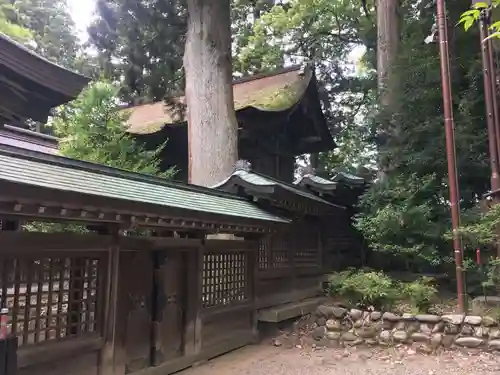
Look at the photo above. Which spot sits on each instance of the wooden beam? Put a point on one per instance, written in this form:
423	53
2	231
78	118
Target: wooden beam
59	212
15	242
193	329
112	357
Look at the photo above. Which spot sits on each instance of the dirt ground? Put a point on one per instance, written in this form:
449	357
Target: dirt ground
265	359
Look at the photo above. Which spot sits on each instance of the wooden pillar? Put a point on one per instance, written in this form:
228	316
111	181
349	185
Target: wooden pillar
253	274
193	329
112	358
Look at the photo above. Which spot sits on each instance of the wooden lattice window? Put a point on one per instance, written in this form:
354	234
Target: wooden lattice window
307	248
225	279
280	253
264	253
51	298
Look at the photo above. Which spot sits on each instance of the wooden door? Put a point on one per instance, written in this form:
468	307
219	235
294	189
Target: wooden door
136	277
170	302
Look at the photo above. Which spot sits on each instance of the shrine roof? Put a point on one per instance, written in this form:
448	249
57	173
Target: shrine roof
144	194
33	80
273	92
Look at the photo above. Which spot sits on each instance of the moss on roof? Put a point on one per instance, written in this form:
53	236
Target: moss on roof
277	96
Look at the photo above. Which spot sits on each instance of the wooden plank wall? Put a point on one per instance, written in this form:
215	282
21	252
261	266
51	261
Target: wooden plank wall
289	267
162	304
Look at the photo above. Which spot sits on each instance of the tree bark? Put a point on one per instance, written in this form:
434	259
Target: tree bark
212	125
388	39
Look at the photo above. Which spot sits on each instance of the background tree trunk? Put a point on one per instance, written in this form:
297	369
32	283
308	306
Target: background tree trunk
388	39
212	125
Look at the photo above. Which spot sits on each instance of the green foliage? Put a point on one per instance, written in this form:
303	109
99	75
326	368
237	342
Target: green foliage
482	228
370	288
471	16
54	34
92	129
268	33
43	227
400	217
492	281
406	213
420	293
141	44
9	23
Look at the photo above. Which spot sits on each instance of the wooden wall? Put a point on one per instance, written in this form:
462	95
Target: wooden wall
289	266
126	305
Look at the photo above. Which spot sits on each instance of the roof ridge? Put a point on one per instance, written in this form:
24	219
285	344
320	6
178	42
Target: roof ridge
36	55
106	170
293	186
236	81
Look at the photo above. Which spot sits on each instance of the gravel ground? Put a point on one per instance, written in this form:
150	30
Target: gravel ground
268	360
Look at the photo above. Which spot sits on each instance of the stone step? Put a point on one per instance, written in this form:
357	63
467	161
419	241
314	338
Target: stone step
287	311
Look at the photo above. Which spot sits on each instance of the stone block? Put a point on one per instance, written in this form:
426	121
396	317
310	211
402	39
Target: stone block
452	329
400	326
358	323
333	335
366	332
319	333
375	316
339	312
321	321
400	336
385	336
408	317
481	331
438	328
473	320
391	317
428	318
420	337
488	321
467	330
333	325
469	342
355	314
455	319
349	336
494	334
494	345
324	311
425	328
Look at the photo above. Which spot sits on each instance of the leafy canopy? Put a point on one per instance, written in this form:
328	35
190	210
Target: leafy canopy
471	16
93	130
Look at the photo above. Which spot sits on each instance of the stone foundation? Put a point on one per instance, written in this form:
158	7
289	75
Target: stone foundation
340	326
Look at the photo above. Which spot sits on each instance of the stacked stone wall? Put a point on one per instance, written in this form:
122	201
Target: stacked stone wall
340	326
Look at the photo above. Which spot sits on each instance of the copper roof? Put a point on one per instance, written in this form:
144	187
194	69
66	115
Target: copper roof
277	91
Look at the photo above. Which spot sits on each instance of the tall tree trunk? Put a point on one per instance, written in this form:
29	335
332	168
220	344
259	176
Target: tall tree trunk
388	40
212	125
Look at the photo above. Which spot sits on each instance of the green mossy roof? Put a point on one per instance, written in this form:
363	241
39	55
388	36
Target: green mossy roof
280	95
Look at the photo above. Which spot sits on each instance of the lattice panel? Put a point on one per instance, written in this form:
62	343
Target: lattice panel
264	253
225	279
281	249
307	247
50	298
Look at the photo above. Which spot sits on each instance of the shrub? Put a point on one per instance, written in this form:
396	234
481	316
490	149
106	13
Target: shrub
420	293
368	288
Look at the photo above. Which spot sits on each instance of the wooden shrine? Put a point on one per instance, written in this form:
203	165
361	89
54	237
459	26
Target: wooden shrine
279	115
106	272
